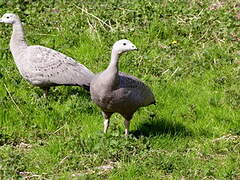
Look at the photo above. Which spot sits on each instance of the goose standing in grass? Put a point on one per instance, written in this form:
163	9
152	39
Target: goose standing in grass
42	66
114	91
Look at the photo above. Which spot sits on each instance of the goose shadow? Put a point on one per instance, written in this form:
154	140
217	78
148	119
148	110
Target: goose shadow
161	126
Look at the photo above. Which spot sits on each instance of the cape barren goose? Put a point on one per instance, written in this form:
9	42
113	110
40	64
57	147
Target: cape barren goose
42	66
114	91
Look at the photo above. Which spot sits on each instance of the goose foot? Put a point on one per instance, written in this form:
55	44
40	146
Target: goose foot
106	116
106	125
127	124
45	93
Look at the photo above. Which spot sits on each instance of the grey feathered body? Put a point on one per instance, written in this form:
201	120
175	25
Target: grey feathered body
45	67
114	91
118	92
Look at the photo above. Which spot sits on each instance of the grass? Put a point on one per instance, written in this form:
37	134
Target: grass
189	56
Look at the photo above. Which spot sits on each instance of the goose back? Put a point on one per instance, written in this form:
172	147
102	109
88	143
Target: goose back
46	67
141	91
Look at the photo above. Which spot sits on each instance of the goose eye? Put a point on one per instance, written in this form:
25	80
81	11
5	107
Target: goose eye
124	44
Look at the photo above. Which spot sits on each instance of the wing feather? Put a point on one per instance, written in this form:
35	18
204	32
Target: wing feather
141	93
48	67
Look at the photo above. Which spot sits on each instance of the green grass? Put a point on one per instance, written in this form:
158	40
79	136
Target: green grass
189	56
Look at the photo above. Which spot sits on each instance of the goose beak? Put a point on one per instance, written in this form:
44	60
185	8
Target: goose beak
134	48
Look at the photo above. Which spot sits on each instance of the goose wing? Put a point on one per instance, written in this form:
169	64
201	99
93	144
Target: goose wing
141	92
48	67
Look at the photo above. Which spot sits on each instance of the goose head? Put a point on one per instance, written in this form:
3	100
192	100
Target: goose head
9	18
122	46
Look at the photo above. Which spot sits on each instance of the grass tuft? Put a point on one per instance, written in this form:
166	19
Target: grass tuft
188	55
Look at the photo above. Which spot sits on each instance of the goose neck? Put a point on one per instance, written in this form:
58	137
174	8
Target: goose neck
17	42
114	61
